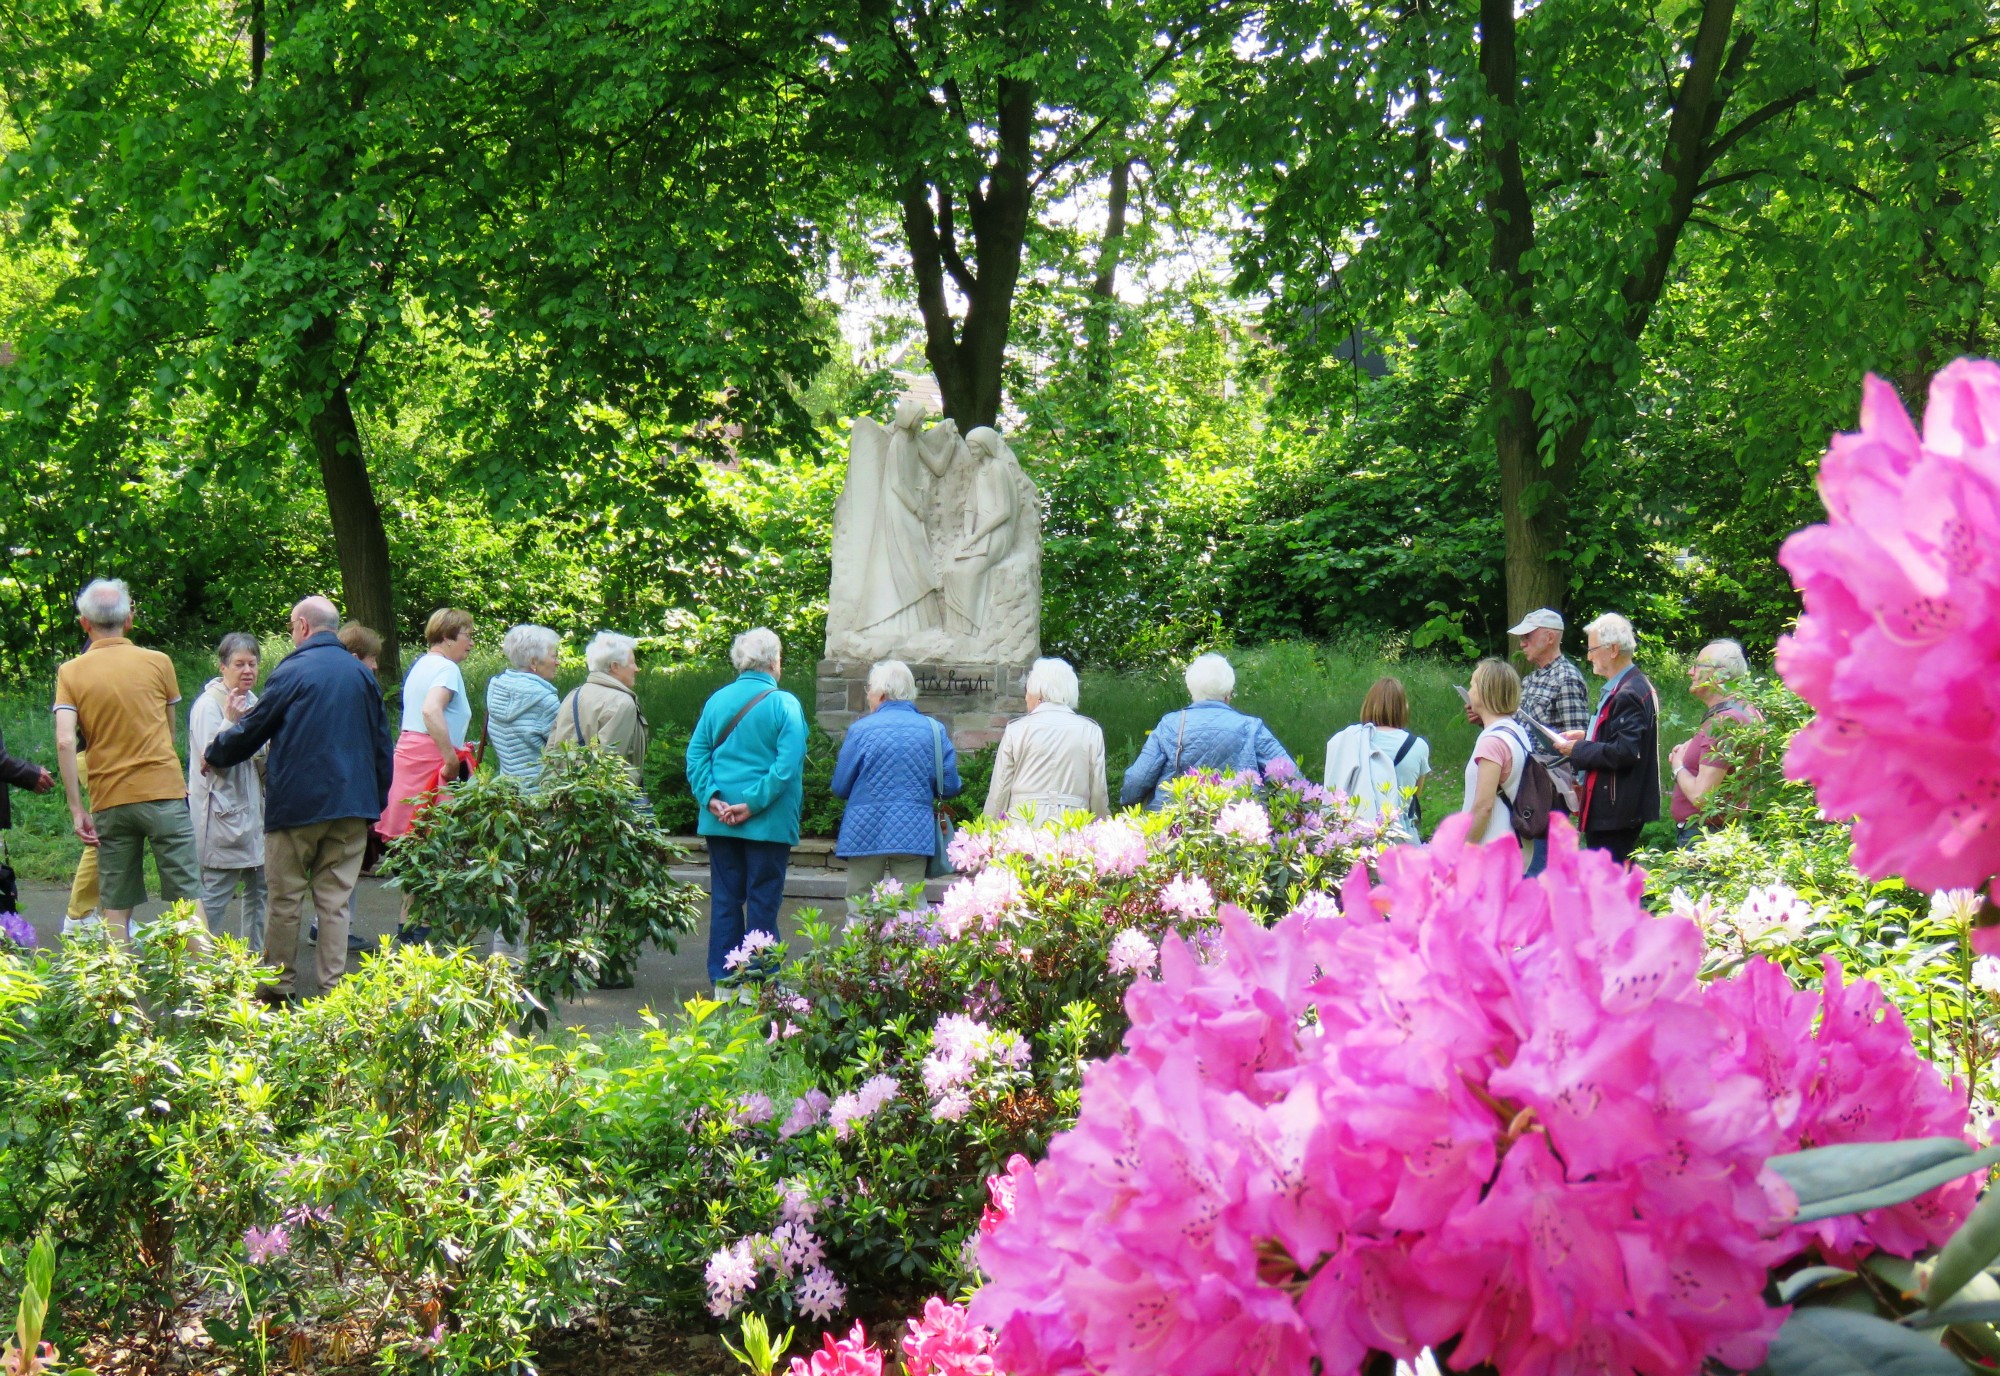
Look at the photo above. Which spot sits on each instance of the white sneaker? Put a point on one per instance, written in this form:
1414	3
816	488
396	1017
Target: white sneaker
90	923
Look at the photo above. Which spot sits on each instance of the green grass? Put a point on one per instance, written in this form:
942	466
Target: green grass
1306	692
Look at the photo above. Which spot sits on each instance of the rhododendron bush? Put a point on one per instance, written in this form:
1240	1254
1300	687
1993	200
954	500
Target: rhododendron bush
940	1039
1495	1117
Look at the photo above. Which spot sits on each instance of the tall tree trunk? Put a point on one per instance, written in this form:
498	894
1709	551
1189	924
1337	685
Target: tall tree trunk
358	535
1104	288
1531	505
1534	578
969	358
1536	480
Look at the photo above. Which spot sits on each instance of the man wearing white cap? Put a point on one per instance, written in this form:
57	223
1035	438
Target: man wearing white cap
1555	695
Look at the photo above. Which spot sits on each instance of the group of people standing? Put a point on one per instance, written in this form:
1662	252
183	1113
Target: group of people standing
285	791
1602	758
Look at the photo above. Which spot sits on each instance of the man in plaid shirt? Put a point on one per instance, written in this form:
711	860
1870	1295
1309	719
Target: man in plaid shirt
1554	694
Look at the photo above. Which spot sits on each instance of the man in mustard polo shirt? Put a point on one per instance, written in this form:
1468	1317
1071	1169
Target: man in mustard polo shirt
121	699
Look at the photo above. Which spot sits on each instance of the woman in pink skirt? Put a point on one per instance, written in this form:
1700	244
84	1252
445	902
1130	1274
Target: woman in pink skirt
436	715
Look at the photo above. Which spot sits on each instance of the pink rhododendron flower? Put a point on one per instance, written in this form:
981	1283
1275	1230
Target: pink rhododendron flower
1000	1192
1838	1066
968	851
821	1296
981	901
1472	1109
1986	974
269	1244
1244	820
1117	848
754	942
731	1274
862	1104
1132	953
807	1111
1188	897
795	1201
795	1248
944	1342
1901	586
753	1109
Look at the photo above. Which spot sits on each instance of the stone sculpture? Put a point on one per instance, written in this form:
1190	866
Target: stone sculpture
936	548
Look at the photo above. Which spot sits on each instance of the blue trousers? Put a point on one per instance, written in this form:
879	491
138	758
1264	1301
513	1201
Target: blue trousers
746	883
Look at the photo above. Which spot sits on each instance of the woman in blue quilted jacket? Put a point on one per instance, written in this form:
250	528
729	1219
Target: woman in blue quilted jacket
1206	734
893	764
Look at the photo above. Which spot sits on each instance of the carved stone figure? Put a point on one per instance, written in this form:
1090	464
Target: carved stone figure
936	548
987	533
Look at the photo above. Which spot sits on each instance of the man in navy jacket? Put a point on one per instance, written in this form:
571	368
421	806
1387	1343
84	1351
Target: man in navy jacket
327	782
1619	757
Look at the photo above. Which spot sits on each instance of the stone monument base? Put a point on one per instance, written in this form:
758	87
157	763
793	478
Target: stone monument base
974	701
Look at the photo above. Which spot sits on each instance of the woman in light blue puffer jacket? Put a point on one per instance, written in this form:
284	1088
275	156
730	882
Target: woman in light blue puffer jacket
521	703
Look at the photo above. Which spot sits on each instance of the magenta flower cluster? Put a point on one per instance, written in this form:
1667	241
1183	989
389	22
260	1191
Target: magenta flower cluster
1902	586
1470	1109
1838	1066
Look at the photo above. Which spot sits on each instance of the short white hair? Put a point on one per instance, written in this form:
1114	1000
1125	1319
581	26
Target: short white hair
1052	680
1613	629
1728	660
608	649
757	648
105	603
892	679
1210	679
523	645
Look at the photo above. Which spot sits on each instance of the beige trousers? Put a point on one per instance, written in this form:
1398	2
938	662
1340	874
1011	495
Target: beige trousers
323	859
864	872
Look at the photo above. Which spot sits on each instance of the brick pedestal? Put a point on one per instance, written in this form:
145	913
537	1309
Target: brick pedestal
976	701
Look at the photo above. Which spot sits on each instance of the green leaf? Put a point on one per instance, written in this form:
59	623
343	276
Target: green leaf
1986	1311
34	1309
1838	1342
1812	1278
1968	1252
1856	1177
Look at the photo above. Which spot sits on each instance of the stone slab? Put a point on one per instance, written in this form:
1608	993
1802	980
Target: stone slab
974	701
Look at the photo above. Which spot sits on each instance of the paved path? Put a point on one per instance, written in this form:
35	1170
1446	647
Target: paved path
663	980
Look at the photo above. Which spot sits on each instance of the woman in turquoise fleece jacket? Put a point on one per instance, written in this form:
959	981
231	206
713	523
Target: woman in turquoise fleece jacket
749	791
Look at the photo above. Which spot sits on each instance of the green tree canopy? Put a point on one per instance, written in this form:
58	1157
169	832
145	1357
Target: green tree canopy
592	213
1517	186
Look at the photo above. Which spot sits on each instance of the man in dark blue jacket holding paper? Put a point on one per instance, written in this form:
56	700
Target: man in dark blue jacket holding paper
328	781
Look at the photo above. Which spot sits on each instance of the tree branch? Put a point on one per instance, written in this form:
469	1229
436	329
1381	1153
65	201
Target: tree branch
954	262
1695	112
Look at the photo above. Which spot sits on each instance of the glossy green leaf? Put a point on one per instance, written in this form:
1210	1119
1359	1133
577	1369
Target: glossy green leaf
1855	1177
1837	1342
1967	1252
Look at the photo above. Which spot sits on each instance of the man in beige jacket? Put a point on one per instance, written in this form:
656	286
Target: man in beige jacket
603	708
1052	760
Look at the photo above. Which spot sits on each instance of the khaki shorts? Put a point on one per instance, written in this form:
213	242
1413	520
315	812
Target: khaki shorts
122	833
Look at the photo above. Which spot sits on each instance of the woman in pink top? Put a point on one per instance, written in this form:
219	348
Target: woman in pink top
1696	771
1500	753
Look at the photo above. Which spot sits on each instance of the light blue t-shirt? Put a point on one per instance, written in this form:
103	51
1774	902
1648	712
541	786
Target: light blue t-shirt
1416	763
426	674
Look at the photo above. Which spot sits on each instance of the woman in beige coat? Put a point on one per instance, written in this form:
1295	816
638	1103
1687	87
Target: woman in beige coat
1052	760
603	708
